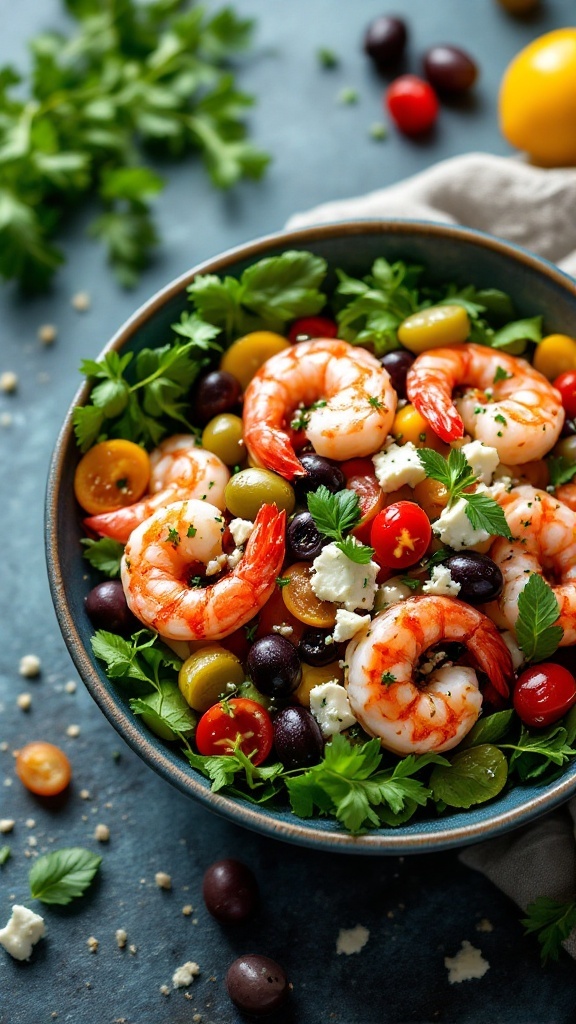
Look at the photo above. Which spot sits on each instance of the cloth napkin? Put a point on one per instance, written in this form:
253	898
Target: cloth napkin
535	208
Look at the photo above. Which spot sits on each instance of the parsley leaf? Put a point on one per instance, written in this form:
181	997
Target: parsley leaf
538	611
518	331
167	712
561	469
143	658
222	770
5	854
336	514
456	474
552	921
534	753
372	308
355	551
104	554
62	875
486	514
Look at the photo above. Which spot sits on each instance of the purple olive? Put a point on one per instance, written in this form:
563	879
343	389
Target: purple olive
214	394
107	608
479	577
256	984
449	70
303	541
230	890
385	41
397	364
313	648
297	738
274	666
318	471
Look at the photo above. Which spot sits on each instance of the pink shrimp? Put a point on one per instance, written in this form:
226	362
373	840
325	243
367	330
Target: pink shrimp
414	718
507	403
160	565
180	470
348	400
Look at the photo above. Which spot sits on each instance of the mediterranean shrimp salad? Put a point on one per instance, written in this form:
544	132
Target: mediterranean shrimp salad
336	537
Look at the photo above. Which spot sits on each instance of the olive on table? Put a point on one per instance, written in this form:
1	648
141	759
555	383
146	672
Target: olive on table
303	541
297	738
450	70
251	488
313	648
397	364
318	471
217	392
107	608
224	436
230	890
274	666
385	40
479	577
256	984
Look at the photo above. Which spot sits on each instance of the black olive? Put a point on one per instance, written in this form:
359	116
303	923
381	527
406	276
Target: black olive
107	608
274	666
479	577
449	69
217	392
256	984
397	364
318	471
385	40
230	890
297	738
313	648
303	541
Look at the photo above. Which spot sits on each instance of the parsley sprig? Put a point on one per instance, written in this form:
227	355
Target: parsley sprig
456	474
337	514
561	469
552	921
538	612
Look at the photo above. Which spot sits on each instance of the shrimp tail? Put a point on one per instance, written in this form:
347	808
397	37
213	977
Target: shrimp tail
265	549
431	395
119	524
493	656
272	448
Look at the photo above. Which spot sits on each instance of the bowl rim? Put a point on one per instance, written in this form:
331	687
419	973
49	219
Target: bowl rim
380	842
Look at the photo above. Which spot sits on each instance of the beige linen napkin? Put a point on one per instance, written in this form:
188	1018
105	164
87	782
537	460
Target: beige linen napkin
535	208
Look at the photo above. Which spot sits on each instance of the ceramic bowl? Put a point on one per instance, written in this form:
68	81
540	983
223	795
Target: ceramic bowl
449	253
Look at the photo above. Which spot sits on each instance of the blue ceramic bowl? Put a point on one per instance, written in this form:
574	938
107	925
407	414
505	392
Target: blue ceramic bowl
449	253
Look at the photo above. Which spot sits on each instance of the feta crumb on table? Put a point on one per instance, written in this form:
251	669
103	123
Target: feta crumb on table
6	825
348	624
336	578
184	975
102	833
397	465
163	881
73	731
47	334
92	944
352	940
468	963
29	666
22	932
24	701
8	381
121	936
80	302
441	583
331	708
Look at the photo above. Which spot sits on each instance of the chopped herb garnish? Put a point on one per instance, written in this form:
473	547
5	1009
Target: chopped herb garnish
501	374
191	531
388	678
282	581
173	536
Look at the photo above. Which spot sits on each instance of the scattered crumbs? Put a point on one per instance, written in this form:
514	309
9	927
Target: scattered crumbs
53	1014
121	936
327	58
116	756
108	805
352	940
184	976
187	910
70	686
32	841
283	629
6	825
212	977
73	731
102	833
84	817
8	381
484	925
132	948
3	746
142	881
92	944
197	1018
30	823
47	334
29	666
163	881
7	782
85	794
24	701
348	95
164	990
390	914
5	419
378	131
194	920
80	302
466	965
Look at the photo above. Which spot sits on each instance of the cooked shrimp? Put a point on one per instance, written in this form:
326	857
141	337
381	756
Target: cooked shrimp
160	571
506	403
566	493
348	400
180	470
409	718
544	542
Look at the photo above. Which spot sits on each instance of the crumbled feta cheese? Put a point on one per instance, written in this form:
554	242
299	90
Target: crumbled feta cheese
24	701
73	731
467	964
482	459
164	990
22	932
6	825
441	583
47	334
70	686
121	936
85	794
336	578
29	666
184	975
234	558
5	419
8	381
32	841
132	949
216	565
80	302
240	530
512	645
348	624
352	940
484	925
283	629
455	529
397	465
163	881
102	833
390	593
92	944
187	909
331	708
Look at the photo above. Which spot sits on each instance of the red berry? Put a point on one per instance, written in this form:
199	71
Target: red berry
544	693
412	103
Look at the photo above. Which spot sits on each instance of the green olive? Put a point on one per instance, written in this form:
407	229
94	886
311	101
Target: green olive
205	675
251	488
223	436
566	447
247	689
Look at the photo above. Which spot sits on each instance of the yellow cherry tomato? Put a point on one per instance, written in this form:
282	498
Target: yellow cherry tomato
246	355
111	474
315	675
537	101
434	327
410	425
555	354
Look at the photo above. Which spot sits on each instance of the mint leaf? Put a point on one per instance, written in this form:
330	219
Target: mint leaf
104	554
62	875
285	287
489	729
538	611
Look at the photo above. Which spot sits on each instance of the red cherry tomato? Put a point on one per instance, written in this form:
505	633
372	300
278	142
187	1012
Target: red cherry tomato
400	534
360	477
312	327
544	693
412	103
566	384
242	719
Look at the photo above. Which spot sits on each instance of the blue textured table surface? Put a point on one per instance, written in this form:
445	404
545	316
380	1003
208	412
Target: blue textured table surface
418	910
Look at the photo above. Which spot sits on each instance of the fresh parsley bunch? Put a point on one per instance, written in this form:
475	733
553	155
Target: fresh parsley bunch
132	78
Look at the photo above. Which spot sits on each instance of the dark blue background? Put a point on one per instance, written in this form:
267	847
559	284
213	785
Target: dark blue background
418	910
